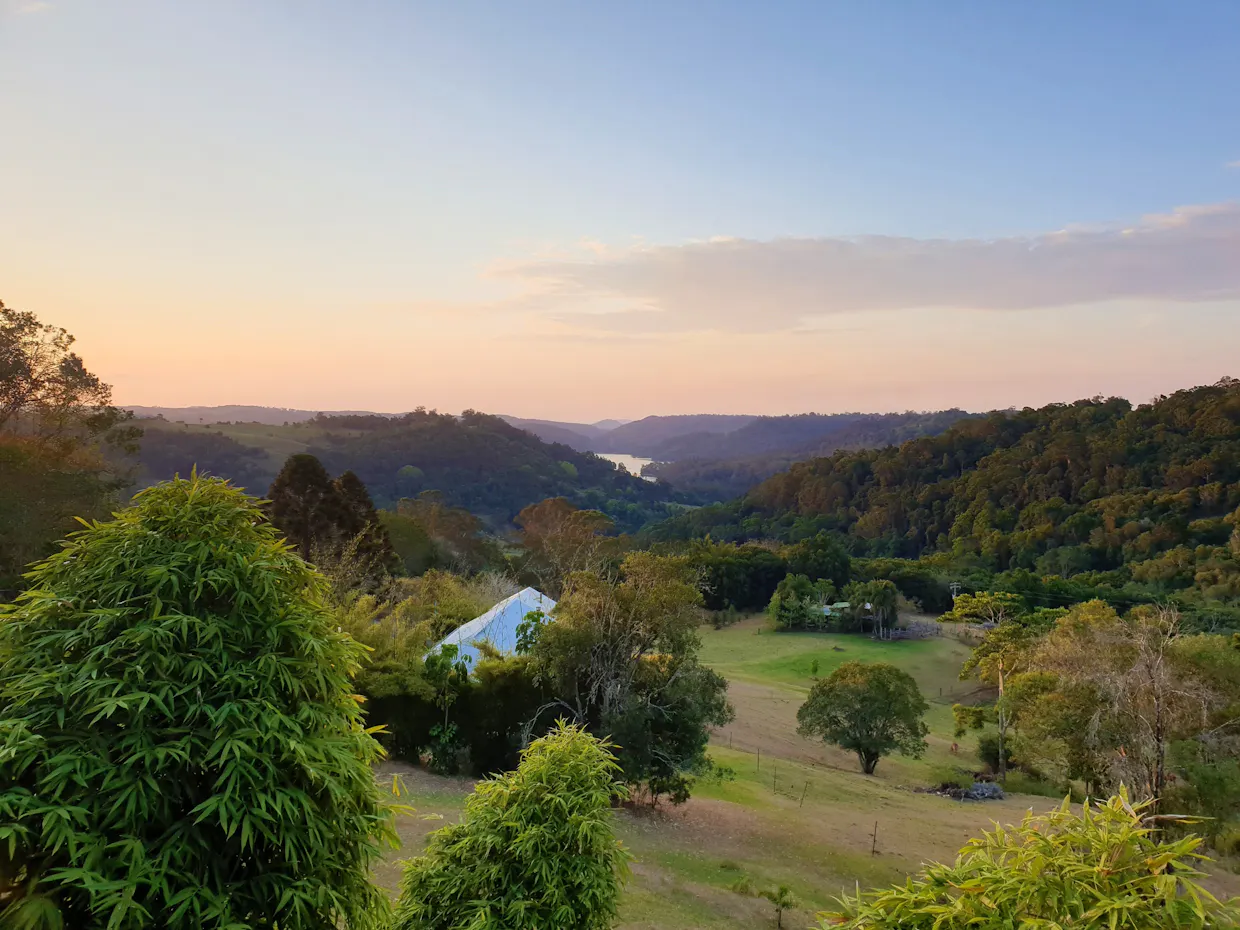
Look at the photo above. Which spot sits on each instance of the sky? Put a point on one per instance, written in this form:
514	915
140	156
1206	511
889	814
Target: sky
586	210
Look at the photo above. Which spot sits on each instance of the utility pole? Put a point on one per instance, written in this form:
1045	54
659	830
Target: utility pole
955	586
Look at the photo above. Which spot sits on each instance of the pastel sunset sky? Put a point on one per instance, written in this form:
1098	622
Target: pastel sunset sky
579	210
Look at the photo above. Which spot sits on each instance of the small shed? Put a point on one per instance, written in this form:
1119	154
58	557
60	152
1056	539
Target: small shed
498	626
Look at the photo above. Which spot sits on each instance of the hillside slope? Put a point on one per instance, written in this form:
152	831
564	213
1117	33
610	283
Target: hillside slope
475	461
1149	494
647	436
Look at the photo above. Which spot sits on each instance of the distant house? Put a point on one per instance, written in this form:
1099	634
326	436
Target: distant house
498	626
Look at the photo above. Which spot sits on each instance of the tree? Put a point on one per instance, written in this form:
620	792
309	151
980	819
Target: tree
1046	873
663	727
308	509
47	395
1003	653
819	557
876	599
782	899
430	534
559	539
870	709
989	607
56	418
40	495
372	547
333	524
622	658
182	746
739	577
535	849
447	673
794	605
1130	675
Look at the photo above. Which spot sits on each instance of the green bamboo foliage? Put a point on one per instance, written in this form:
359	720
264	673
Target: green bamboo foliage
179	743
1106	868
535	850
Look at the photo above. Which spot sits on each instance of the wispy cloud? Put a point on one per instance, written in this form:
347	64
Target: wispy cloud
20	7
1234	164
745	285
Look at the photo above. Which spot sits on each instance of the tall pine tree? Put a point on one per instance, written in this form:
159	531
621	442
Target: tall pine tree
370	542
308	509
332	523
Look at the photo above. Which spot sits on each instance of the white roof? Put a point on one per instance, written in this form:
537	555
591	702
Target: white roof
498	626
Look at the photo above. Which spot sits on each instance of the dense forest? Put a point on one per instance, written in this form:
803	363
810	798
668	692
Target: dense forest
1143	498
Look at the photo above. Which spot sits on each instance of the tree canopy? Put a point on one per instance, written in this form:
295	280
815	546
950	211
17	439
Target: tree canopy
869	709
181	744
622	658
47	394
1142	499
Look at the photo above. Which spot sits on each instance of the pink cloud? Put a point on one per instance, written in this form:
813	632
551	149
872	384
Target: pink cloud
1191	254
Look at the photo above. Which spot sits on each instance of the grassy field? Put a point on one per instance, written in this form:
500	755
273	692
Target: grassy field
797	812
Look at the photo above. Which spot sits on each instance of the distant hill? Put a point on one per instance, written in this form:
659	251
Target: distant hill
716	467
583	437
646	437
236	413
766	434
475	461
638	437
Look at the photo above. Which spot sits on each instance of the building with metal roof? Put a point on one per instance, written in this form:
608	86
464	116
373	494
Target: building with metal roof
498	626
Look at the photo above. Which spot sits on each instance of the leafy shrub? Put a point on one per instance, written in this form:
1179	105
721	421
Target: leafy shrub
534	851
181	748
1045	873
988	753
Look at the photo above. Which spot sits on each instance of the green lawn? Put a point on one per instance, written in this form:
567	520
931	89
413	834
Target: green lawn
751	651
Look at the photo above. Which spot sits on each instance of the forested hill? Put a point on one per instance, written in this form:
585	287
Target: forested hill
475	461
481	463
1093	486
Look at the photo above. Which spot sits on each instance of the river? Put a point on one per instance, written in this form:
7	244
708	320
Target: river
630	463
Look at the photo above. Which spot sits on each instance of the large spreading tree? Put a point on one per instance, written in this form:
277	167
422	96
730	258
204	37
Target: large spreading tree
179	743
872	710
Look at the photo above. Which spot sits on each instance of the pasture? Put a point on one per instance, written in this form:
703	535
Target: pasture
796	812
